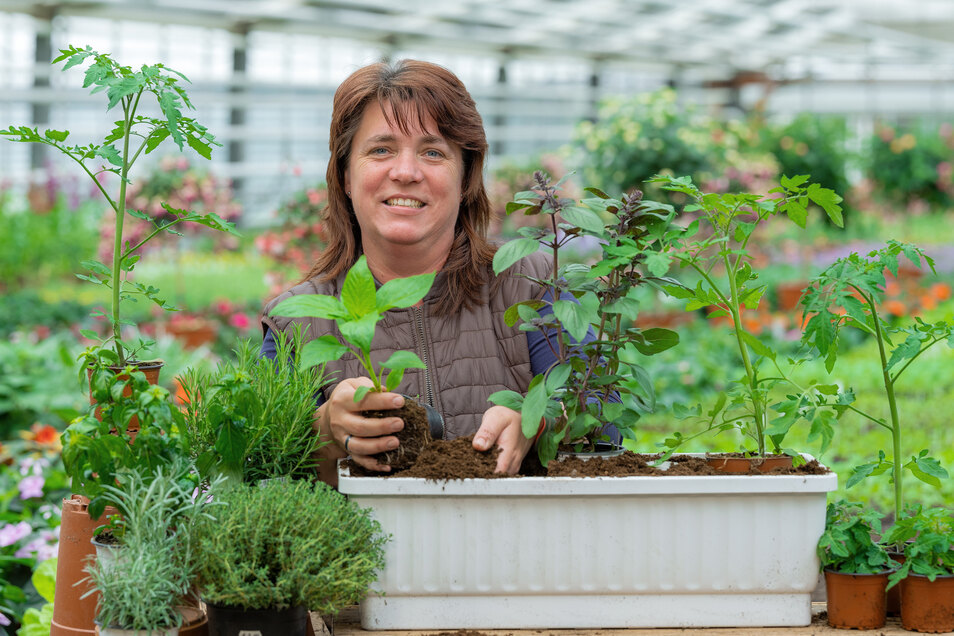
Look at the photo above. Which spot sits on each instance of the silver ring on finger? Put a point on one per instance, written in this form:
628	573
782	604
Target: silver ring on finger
347	439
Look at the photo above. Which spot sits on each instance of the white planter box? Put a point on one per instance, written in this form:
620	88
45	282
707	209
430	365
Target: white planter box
561	552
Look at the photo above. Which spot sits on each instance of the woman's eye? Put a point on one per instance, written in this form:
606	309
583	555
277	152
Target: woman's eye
379	151
434	154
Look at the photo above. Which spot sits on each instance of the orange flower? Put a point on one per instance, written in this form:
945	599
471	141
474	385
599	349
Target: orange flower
895	307
940	291
892	288
180	395
928	302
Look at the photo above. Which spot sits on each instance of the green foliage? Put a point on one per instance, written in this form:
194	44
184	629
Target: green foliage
37	621
847	545
37	384
812	144
856	285
96	450
577	394
715	247
649	134
43	245
357	312
125	87
285	544
913	162
27	309
252	418
928	540
154	566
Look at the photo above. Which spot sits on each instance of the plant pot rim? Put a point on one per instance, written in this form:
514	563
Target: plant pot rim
829	570
925	576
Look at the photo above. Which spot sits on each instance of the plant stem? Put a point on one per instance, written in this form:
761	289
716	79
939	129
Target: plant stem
129	111
554	290
896	469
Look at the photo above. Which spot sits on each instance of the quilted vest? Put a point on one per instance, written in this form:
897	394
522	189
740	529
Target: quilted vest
469	355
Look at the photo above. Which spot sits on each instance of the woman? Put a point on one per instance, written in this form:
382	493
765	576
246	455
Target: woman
405	188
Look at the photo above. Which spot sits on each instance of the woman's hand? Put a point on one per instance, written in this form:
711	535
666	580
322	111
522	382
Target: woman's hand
340	421
501	425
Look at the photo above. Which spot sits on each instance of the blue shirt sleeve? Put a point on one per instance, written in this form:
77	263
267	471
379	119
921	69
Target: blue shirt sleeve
542	357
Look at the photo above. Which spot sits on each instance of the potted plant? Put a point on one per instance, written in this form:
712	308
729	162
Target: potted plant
587	316
280	549
715	246
129	138
927	575
143	585
252	417
356	313
856	566
850	294
662	570
134	135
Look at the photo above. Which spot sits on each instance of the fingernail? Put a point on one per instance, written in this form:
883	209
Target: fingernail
398	401
480	443
392	444
397	425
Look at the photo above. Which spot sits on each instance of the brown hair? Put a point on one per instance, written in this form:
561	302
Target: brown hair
408	91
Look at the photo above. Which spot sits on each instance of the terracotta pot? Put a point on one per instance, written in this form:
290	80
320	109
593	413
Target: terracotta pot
856	601
72	615
742	465
194	622
894	594
193	333
927	606
788	294
150	369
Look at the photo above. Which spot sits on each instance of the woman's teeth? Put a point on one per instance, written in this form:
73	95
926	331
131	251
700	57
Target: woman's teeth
407	203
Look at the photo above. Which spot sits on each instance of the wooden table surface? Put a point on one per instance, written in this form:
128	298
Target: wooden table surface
348	624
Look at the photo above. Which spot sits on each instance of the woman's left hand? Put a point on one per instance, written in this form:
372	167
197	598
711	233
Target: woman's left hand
501	425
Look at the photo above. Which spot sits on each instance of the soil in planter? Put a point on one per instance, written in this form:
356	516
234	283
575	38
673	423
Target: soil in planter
624	465
455	459
413	438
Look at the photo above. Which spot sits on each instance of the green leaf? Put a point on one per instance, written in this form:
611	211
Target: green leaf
110	154
360	332
231	443
56	135
796	210
512	315
200	146
358	291
156	137
512	251
44	579
403	360
757	345
904	351
574	318
394	379
791	183
656	340
658	263
310	306
585	219
360	392
510	399
927	469
534	407
403	292
321	350
822	429
169	103
828	201
557	377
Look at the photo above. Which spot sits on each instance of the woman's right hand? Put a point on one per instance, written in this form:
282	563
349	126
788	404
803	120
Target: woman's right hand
340	421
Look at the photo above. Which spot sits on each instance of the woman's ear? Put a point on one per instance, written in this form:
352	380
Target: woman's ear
347	181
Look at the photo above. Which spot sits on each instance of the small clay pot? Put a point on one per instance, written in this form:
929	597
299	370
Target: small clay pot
742	465
151	371
233	621
856	601
927	606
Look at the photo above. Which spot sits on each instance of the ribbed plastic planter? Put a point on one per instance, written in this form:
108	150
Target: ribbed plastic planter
564	552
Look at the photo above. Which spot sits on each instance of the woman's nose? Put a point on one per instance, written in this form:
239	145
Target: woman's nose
405	168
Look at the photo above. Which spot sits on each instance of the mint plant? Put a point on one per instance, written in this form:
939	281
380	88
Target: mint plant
596	380
855	287
132	135
715	247
356	313
847	545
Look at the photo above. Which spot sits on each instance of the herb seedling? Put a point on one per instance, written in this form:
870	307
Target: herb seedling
928	540
356	313
847	545
596	380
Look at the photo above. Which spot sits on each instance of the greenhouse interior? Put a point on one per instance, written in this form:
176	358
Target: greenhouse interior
601	249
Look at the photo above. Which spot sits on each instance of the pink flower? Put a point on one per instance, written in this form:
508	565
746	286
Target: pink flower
11	533
43	547
4	620
240	321
31	486
296	170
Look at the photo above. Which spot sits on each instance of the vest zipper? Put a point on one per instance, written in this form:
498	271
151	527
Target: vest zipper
418	313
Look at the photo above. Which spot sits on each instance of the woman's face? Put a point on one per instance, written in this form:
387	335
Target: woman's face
405	188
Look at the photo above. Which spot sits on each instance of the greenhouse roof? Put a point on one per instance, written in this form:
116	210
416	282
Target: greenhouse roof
732	41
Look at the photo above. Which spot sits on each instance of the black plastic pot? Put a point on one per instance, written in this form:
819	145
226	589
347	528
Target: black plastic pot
232	621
